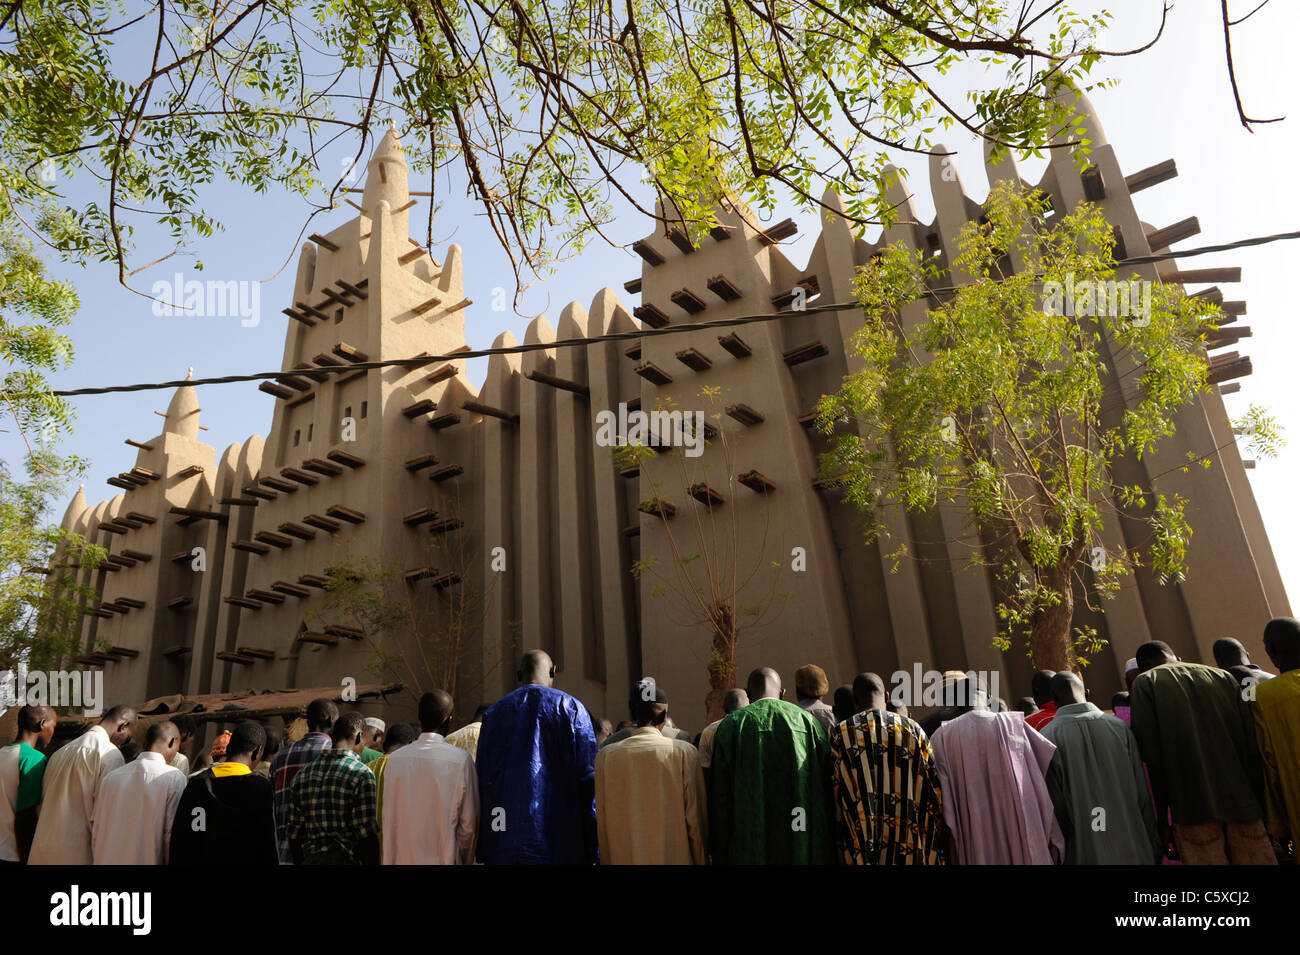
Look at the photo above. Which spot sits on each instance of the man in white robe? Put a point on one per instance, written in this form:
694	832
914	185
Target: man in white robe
735	699
132	823
431	803
72	779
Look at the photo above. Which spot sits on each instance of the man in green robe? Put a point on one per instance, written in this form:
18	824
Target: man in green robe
771	801
1196	733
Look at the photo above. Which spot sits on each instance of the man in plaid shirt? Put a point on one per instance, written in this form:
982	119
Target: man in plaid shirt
321	715
332	803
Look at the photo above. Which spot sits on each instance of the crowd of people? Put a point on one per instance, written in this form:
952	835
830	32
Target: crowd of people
1195	764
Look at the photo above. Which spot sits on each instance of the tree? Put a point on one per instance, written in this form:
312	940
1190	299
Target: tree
41	603
120	115
1228	23
1002	401
33	308
420	638
40	616
711	581
550	110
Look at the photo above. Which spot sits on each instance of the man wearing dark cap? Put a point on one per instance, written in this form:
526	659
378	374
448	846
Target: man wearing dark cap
650	803
225	816
536	774
1277	726
1196	733
810	685
771	782
633	701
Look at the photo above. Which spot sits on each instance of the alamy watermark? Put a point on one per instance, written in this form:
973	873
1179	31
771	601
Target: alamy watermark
78	908
208	298
683	429
1092	297
921	687
76	689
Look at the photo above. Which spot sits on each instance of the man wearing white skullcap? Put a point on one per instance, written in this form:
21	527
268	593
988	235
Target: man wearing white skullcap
373	737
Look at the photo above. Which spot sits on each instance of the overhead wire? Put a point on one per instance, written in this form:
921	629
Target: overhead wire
641	333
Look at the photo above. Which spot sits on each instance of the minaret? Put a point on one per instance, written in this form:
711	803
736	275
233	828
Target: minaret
1087	123
59	576
76	507
336	480
386	181
159	515
183	411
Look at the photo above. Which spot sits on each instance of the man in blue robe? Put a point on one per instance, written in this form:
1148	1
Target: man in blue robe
536	774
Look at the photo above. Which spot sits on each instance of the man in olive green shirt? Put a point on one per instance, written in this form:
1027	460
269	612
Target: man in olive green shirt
771	796
1277	726
1196	734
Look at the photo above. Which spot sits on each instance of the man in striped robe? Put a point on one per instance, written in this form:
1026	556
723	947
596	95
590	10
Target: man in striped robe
888	802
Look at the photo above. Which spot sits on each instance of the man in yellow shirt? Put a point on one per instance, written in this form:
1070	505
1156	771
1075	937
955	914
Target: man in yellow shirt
395	738
466	737
1277	726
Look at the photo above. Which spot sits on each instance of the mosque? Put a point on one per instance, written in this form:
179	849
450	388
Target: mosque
471	524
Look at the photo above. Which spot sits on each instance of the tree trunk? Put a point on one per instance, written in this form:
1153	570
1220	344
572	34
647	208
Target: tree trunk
1049	639
722	662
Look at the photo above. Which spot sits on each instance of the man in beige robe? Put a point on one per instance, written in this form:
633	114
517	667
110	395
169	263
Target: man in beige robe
650	803
72	779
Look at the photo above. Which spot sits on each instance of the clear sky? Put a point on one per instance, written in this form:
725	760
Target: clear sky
1173	101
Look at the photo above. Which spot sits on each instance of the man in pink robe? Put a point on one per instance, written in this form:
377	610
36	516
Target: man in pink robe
992	769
